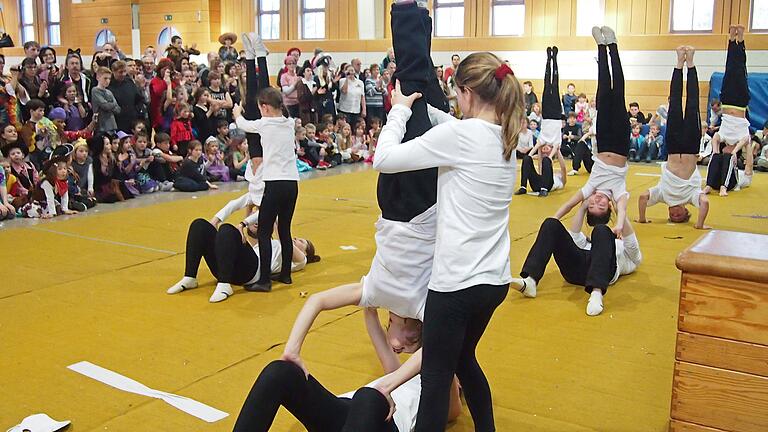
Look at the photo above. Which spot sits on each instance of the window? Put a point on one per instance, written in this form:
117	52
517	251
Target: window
268	18
53	24
449	18
104	36
164	38
27	9
507	17
589	13
692	15
759	17
313	19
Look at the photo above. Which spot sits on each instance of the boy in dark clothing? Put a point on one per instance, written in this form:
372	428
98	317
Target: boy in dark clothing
634	112
571	135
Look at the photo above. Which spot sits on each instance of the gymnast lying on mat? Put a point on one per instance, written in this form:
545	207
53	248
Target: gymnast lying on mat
680	182
607	184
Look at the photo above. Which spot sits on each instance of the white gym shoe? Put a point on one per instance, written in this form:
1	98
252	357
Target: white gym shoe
222	292
259	49
597	33
184	284
609	36
573	173
248	46
595	303
526	286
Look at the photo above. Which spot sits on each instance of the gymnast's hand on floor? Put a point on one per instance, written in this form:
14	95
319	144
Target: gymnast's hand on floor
398	98
295	359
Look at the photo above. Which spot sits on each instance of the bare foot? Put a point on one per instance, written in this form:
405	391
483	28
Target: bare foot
723	191
706	190
740	32
732	33
680	56
689	52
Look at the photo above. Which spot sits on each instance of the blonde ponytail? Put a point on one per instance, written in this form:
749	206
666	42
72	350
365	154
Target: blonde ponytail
478	72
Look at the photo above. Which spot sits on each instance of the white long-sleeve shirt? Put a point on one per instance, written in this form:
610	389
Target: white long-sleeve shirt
474	190
50	198
278	139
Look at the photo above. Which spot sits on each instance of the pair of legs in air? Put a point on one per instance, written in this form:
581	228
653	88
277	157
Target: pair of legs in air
402	197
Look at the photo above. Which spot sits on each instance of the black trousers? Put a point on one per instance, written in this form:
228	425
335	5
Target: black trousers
735	90
613	121
454	322
722	171
588	268
551	107
582	154
228	258
278	203
405	195
545	180
160	171
283	383
683	133
254	81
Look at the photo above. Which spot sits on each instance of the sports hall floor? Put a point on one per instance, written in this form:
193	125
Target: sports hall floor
92	287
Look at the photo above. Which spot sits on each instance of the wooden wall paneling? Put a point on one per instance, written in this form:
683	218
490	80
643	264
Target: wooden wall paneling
483	18
653	17
665	16
637	17
717	19
550	17
470	20
528	31
538	25
624	17
214	19
734	16
387	19
87	21
564	22
353	32
744	10
611	11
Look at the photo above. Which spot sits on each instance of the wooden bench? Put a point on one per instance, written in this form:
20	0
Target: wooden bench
720	381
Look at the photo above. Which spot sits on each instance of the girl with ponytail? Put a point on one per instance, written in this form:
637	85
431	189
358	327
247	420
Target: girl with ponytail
470	277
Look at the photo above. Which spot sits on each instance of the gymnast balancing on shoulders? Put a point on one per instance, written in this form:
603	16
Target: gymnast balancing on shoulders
680	182
606	189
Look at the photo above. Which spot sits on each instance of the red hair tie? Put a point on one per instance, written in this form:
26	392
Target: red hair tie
502	71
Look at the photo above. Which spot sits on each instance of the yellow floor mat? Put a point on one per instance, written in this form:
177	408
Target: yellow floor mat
92	288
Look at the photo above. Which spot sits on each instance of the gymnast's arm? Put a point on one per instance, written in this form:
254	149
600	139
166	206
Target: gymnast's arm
578	220
437	116
334	298
621	215
575	200
563	169
387	357
642	205
703	211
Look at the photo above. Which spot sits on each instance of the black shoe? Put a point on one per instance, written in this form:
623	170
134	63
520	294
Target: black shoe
543	193
281	279
77	206
257	287
6	41
521	191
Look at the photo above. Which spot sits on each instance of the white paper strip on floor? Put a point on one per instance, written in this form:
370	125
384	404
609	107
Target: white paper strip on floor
114	379
648	175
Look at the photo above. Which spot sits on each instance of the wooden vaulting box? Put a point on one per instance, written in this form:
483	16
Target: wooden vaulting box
720	381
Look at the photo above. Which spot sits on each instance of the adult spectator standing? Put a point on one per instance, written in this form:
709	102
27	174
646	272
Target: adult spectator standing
455	60
288	83
74	73
529	97
374	95
389	58
352	96
296	54
129	97
357	64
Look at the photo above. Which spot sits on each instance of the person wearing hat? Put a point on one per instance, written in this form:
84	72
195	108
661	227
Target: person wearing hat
59	119
23	171
227	51
296	54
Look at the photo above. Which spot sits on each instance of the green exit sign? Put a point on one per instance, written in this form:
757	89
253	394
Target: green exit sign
168	17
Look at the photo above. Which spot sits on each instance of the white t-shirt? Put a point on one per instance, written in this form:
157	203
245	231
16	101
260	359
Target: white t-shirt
277	261
733	129
406	398
607	179
350	101
551	131
672	190
628	255
278	139
474	190
525	139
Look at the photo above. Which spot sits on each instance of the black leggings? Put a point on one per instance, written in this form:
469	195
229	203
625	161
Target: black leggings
454	322
613	120
588	268
683	133
545	180
405	195
283	383
551	108
278	203
254	81
229	259
582	154
722	171
735	90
